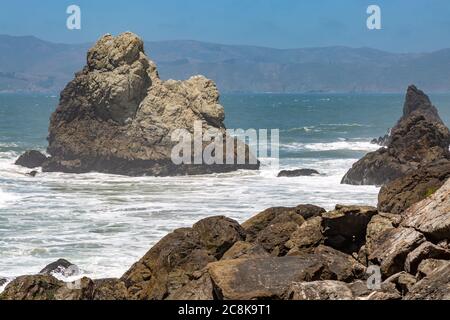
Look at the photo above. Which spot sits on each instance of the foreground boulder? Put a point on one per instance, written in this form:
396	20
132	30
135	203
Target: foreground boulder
420	137
435	286
118	117
31	159
180	257
400	194
432	215
392	247
269	278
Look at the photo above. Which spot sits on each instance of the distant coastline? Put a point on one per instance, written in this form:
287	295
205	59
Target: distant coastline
32	65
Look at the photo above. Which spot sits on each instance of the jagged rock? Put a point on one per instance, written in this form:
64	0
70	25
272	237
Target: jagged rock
435	286
242	249
403	281
218	234
199	289
427	267
32	173
419	138
426	250
319	290
270	216
308	235
400	194
432	215
168	266
263	278
31	159
61	266
376	227
392	247
298	173
274	237
109	289
174	260
345	227
46	287
117	116
3	281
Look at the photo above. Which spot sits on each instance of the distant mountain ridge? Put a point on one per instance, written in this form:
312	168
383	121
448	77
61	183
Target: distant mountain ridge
28	64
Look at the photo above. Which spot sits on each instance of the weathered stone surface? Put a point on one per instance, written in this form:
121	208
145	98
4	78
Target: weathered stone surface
402	193
435	286
376	227
61	266
403	281
319	290
117	116
427	267
392	247
432	215
271	216
426	250
298	173
218	234
109	289
242	249
274	237
168	266
345	227
46	287
198	289
31	159
308	235
270	277
419	138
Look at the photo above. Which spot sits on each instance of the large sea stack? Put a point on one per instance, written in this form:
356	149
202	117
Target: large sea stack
417	140
117	116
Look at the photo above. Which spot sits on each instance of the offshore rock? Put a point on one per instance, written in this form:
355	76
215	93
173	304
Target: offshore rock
118	117
420	137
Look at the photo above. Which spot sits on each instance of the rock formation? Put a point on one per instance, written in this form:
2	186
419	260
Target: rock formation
118	117
302	253
419	138
298	173
31	159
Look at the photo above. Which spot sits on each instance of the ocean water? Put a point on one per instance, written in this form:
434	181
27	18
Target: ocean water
104	223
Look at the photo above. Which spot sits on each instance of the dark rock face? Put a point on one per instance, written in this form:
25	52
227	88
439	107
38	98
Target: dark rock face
419	138
60	266
118	117
345	227
3	281
31	159
400	194
298	173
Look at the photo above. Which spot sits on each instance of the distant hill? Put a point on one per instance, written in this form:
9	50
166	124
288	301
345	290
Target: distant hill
28	64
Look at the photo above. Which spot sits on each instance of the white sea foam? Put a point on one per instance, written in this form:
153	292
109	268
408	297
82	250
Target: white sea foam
332	146
104	223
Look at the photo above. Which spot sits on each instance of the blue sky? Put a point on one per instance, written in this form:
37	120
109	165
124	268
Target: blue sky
408	26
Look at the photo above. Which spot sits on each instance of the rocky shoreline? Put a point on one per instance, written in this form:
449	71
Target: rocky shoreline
398	250
298	253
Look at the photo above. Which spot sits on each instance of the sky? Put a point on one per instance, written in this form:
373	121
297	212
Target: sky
407	25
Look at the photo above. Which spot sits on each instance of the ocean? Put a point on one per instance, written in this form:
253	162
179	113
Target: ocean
104	223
